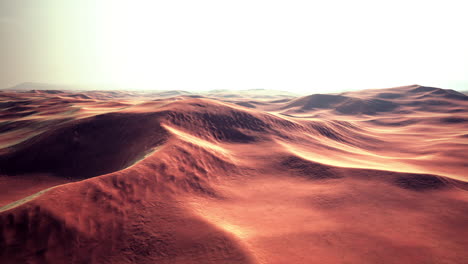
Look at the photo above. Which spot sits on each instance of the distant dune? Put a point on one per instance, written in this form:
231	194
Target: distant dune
370	176
109	90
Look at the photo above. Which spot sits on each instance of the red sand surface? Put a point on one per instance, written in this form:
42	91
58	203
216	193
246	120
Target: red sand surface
373	176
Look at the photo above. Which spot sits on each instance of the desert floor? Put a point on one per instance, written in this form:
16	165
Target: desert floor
371	176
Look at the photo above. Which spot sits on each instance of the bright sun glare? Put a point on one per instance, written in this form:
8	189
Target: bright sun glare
302	46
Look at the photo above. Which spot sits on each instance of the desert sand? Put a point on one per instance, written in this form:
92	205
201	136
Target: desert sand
371	176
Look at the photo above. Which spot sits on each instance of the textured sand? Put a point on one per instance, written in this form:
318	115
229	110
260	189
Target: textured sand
373	176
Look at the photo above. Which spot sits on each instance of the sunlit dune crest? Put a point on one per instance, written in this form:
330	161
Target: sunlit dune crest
197	141
371	176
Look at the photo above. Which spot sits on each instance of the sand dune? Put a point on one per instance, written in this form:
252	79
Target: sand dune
371	176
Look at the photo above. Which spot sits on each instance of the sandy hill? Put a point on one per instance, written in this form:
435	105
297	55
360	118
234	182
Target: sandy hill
373	102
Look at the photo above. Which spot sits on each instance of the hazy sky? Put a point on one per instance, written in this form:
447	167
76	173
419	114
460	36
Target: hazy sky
301	46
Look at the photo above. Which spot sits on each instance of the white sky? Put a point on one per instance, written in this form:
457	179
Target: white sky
300	46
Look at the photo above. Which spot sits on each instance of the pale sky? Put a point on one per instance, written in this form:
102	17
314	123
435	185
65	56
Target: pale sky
299	46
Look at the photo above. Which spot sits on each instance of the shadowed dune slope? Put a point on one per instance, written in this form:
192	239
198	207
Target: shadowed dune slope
86	147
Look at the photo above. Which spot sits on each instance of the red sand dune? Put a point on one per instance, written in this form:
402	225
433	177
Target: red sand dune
373	176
